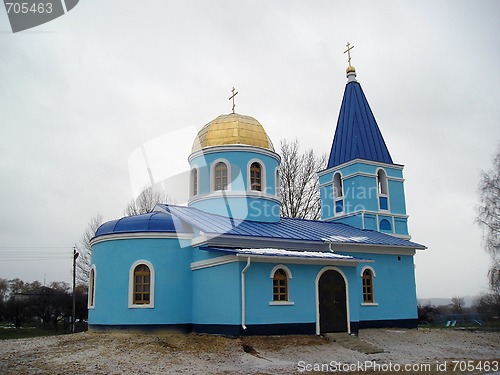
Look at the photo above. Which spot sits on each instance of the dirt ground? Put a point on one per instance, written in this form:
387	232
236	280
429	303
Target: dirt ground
121	353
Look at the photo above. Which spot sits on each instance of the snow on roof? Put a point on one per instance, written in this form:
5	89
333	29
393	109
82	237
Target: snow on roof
269	252
345	239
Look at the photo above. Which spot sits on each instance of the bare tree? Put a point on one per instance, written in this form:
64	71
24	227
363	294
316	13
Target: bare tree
299	184
146	201
4	289
489	218
457	305
84	249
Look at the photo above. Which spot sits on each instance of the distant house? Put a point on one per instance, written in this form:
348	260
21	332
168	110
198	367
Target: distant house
227	263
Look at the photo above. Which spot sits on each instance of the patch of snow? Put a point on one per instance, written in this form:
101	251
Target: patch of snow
294	253
345	239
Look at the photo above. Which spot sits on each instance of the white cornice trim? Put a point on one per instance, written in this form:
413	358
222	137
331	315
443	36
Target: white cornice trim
225	259
385	251
234	194
140	235
214	262
364	161
232	148
364	174
299	260
376	213
257	242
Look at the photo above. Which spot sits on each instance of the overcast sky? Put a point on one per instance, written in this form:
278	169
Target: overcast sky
79	94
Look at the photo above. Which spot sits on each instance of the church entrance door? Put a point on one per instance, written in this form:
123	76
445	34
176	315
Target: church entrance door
332	302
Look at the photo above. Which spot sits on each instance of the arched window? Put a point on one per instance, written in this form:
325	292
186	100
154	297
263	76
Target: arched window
382	182
91	297
256	176
142	285
385	225
280	285
337	185
368	286
383	189
220	176
338	193
194	181
277	182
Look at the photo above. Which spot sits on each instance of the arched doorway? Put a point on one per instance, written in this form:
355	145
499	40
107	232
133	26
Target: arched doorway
332	302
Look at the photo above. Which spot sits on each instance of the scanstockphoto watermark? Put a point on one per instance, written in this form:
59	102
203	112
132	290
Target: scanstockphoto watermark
26	14
373	366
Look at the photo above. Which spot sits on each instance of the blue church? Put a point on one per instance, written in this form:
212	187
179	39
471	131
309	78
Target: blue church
227	263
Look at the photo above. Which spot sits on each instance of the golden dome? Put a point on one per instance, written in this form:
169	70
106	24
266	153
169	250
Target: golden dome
350	69
232	129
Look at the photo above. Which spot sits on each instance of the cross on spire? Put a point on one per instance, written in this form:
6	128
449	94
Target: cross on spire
232	96
348	50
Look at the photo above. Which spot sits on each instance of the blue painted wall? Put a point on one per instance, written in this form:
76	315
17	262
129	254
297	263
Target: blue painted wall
239	201
361	196
239	161
216	294
302	292
394	288
173	282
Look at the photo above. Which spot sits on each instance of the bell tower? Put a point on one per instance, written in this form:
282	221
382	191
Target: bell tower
361	185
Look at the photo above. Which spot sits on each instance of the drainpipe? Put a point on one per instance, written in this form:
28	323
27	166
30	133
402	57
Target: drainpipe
243	294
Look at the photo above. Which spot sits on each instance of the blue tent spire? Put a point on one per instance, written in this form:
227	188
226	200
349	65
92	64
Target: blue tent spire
357	135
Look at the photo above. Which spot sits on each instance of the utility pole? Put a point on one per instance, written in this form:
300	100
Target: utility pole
73	312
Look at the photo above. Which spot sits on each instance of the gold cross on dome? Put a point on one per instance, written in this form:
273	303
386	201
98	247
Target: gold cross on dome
232	96
348	50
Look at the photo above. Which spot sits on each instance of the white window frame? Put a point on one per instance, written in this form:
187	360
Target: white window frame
193	169
374	275
277	184
384	185
131	283
91	288
262	176
212	174
339	197
289	276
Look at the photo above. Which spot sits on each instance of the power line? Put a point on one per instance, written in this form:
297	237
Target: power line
37	247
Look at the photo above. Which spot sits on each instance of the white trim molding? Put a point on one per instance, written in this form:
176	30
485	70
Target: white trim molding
91	288
194	168
363	174
131	283
212	174
234	194
225	259
367	268
229	148
277	184
374	275
263	176
361	161
288	273
281	303
284	268
140	235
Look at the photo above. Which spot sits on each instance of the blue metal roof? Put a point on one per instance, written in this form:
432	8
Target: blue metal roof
286	229
150	222
357	135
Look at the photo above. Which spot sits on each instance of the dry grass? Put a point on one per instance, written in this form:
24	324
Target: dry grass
126	353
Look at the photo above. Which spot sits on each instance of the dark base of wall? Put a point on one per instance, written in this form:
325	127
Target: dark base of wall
233	330
230	330
257	329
